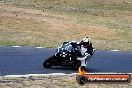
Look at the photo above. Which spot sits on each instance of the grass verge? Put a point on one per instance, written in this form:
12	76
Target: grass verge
48	23
52	82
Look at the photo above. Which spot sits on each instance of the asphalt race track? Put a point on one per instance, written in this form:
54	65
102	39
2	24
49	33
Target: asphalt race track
28	60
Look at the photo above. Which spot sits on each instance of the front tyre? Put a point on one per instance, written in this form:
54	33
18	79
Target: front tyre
48	62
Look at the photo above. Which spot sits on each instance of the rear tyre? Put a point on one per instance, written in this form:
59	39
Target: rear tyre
48	62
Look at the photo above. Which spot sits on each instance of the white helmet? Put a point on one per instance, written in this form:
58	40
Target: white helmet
86	39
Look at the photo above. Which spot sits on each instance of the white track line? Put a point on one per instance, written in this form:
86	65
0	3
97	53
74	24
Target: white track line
16	46
43	47
115	50
21	46
56	74
39	47
51	74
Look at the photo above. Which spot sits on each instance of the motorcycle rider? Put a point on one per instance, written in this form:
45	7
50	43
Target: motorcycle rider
86	50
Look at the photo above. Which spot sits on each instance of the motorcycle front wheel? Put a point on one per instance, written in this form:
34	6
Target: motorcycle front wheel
48	62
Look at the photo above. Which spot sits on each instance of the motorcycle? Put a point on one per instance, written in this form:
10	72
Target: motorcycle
66	56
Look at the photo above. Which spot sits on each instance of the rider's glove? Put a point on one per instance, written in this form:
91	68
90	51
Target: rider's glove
87	55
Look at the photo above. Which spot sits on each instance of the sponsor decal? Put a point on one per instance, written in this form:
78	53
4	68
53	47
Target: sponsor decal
84	77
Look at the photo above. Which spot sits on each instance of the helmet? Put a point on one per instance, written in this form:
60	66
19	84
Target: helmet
86	42
86	39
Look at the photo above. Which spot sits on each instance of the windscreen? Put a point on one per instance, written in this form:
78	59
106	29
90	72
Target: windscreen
67	47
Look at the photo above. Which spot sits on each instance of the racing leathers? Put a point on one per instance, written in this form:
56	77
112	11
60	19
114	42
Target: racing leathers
87	51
